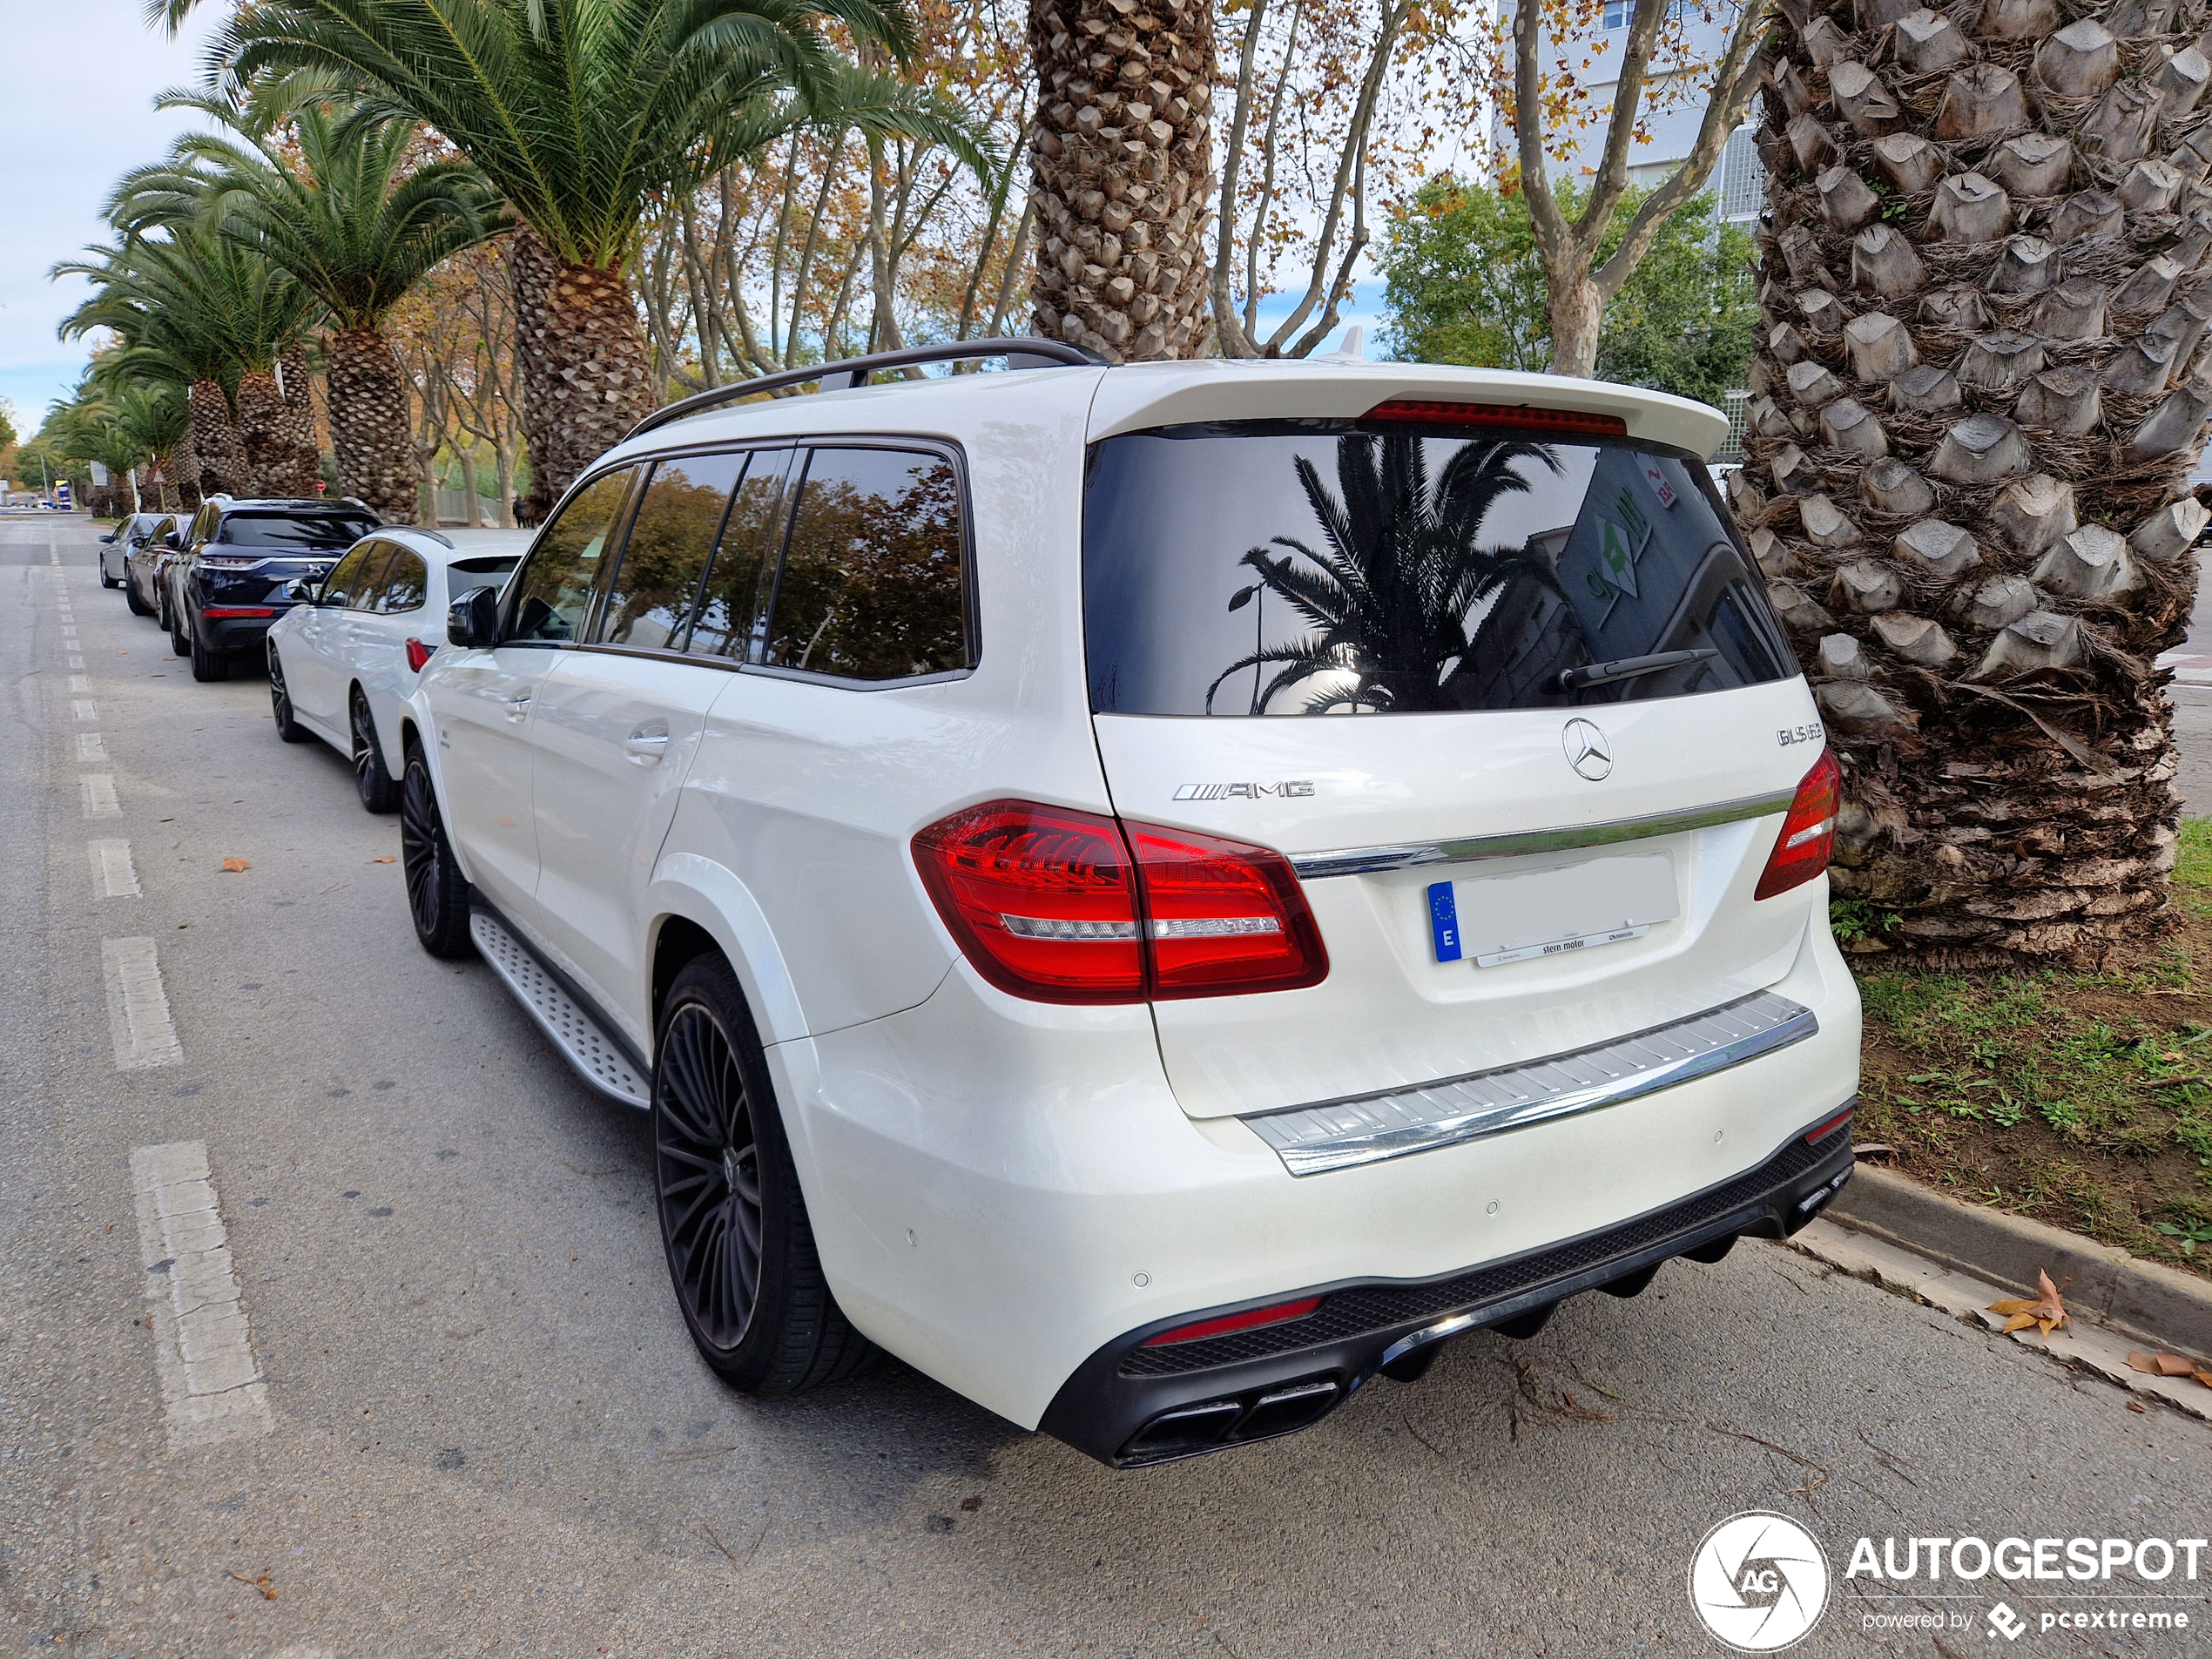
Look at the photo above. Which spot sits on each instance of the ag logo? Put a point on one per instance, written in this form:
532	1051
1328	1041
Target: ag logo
1758	1582
1587	750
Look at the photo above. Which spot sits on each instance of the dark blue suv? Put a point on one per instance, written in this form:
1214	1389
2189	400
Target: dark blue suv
239	561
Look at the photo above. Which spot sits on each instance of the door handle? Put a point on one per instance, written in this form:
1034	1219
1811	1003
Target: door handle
645	747
518	707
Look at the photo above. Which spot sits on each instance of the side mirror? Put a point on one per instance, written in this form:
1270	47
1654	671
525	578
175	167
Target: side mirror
303	590
109	538
172	540
472	621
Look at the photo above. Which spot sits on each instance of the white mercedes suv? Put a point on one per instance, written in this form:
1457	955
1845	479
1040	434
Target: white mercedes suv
1155	893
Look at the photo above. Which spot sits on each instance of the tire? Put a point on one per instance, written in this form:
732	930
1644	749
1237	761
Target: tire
179	640
208	663
287	724
138	607
437	893
373	779
740	1250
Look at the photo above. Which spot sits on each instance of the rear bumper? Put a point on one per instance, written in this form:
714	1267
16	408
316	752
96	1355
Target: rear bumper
1130	1405
219	632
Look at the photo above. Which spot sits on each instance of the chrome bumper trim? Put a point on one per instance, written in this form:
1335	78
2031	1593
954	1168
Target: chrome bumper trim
1367	1128
1371	860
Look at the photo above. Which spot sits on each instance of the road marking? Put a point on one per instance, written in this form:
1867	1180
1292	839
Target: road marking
91	745
69	632
212	1388
76	662
137	1007
95	791
113	872
86	709
80	682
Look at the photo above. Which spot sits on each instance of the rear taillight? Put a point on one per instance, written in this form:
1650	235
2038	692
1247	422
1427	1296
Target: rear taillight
219	612
1281	1313
417	654
1049	904
1808	837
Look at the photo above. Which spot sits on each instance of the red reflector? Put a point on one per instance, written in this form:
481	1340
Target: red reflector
1223	916
1410	409
1281	1313
1822	1132
220	611
417	654
1808	837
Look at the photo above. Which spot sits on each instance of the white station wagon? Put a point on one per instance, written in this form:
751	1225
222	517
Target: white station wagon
1157	894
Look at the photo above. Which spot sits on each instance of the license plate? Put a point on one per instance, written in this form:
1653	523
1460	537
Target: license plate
1500	918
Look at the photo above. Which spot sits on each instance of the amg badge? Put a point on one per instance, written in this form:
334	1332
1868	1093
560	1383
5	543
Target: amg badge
1239	792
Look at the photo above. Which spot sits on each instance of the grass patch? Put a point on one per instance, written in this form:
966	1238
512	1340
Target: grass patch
2081	1099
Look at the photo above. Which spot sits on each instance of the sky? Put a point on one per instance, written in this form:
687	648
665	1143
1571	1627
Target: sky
77	81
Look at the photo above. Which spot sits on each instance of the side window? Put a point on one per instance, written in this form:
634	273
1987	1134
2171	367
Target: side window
871	587
553	588
731	601
656	587
367	591
406	582
338	587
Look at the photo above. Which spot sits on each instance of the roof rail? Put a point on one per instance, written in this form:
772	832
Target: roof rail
847	372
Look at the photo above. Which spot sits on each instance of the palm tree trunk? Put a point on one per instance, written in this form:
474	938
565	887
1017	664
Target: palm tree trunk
369	424
1122	163
183	472
279	465
298	382
586	374
215	442
1978	392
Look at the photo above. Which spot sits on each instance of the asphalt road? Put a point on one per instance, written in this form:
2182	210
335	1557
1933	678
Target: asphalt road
484	1430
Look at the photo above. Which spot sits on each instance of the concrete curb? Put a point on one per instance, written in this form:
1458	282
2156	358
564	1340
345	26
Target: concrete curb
2155	1305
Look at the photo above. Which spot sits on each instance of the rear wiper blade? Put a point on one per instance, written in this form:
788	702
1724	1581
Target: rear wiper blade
1627	668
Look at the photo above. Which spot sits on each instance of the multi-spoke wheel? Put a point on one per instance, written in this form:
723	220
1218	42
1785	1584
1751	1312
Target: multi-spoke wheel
373	779
740	1250
288	724
437	893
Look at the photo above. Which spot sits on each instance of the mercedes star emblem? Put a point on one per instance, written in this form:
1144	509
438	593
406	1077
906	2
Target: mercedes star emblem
1587	750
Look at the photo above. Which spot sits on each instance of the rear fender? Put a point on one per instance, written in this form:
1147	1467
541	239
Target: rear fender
712	898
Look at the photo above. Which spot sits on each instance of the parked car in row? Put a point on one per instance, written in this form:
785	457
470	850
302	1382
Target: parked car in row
134	530
344	657
145	568
232	578
1160	893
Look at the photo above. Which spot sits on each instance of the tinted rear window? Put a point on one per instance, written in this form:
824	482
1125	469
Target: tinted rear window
1315	568
293	529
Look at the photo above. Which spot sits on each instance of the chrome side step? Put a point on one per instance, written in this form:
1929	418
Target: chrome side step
598	1059
1365	1128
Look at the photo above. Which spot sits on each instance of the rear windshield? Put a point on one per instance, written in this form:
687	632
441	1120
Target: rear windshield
293	529
486	567
1332	567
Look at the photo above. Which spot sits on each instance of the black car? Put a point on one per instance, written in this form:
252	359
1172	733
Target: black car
239	559
145	560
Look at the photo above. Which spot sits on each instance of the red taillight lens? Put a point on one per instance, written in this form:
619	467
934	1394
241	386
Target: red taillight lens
219	611
1281	1313
417	654
1223	916
1822	1132
1433	414
1042	899
1808	837
1049	904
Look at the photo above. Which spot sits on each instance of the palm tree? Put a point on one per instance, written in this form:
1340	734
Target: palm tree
87	428
152	415
1123	161
328	197
580	112
1400	596
1981	389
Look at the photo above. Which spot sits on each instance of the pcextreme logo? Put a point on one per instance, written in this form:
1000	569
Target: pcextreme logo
1758	1582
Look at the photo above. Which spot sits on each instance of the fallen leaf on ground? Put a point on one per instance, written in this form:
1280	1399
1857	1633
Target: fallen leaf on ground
2137	1406
262	1584
1867	1149
232	866
2159	1364
380	860
2043	1310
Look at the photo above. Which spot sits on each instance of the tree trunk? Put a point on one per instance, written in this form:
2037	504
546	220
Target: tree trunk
504	464
297	381
1577	312
215	443
276	462
1984	655
184	474
1122	166
586	374
369	424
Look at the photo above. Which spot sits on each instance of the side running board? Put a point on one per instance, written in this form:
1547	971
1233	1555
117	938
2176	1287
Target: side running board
598	1059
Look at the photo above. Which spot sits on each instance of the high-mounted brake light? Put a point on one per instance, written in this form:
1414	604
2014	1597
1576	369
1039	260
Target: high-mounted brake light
1434	414
417	654
1066	906
1281	1313
1808	837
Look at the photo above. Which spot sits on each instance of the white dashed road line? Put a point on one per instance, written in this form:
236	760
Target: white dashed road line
114	875
137	1007
80	683
95	791
211	1386
91	747
85	708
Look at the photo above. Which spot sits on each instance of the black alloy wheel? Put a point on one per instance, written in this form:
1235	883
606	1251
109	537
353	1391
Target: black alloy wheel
437	893
740	1250
288	724
373	779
